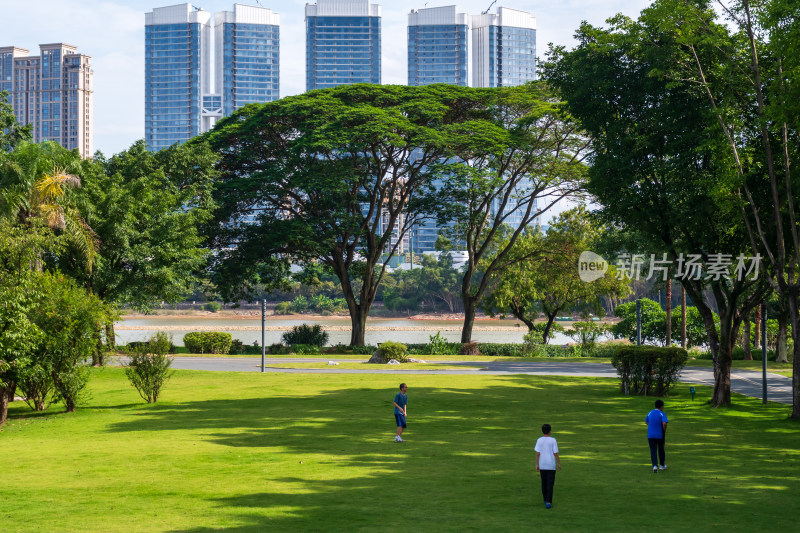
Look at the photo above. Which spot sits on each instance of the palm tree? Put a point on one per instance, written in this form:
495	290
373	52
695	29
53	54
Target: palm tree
34	184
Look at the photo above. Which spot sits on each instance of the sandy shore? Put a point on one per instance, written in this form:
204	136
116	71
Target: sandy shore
123	327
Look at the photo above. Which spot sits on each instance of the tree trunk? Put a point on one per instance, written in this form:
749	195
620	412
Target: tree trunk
794	317
781	355
6	397
726	341
358	322
746	346
550	319
757	325
683	318
668	298
470	305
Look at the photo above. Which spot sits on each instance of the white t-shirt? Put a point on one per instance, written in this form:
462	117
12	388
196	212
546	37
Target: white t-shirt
547	447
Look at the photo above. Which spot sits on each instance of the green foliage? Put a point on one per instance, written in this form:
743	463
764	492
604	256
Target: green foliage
654	324
648	369
438	345
146	210
305	349
11	131
299	304
364	350
503	350
393	350
213	307
586	333
283	308
305	334
215	342
148	366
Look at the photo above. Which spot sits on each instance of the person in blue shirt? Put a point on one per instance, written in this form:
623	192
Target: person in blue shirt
400	411
656	421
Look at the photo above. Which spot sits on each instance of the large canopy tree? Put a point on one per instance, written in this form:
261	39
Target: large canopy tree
501	185
660	166
752	90
335	176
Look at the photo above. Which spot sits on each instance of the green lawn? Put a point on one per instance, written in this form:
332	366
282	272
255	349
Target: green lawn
314	452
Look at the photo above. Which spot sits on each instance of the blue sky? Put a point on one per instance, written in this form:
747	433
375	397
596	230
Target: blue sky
112	32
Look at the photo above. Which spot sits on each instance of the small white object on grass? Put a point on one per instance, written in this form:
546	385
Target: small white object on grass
333	363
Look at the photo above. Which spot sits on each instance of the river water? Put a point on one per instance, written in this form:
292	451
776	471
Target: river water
248	329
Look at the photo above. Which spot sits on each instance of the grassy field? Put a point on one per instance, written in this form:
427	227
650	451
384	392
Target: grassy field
275	452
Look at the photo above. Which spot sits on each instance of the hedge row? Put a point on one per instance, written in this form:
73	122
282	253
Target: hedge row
214	342
648	369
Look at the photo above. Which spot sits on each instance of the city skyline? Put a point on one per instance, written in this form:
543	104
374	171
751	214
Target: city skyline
112	33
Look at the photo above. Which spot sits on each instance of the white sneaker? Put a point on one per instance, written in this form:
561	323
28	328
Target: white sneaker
662	467
398	439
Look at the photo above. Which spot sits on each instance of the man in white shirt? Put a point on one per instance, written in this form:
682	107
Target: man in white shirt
546	461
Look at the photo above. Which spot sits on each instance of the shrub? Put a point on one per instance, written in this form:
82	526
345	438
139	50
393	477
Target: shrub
279	349
393	350
305	349
438	345
148	366
299	304
604	349
648	369
208	342
368	349
586	333
213	306
283	308
502	350
556	350
305	334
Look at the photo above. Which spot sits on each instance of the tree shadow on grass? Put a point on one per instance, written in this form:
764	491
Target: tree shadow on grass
468	463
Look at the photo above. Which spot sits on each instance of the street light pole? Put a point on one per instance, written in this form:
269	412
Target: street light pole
763	352
263	328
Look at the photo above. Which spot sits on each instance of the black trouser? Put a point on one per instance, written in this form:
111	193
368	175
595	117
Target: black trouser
548	480
657	444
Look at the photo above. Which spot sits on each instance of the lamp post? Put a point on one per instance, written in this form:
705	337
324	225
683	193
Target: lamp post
763	352
263	328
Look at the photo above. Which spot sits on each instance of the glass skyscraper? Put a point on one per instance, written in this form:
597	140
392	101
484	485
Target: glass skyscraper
180	101
503	48
52	92
177	74
437	46
343	43
247	56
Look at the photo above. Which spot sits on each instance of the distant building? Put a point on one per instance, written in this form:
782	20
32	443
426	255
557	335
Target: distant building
52	92
343	43
180	101
438	49
247	56
503	48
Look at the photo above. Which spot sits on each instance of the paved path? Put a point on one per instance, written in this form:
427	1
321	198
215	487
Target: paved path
747	382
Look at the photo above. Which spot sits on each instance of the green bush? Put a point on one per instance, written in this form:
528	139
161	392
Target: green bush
438	345
305	334
556	350
502	350
299	304
648	369
213	307
305	349
148	366
283	308
393	350
367	349
586	333
604	349
279	349
215	342
240	348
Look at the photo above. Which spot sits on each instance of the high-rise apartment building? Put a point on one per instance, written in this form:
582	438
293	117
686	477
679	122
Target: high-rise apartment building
343	43
438	46
52	92
503	48
180	101
247	56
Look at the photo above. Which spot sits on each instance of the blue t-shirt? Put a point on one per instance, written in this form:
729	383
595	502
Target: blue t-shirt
654	420
401	400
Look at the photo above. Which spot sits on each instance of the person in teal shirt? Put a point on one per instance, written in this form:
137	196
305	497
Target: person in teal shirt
400	411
